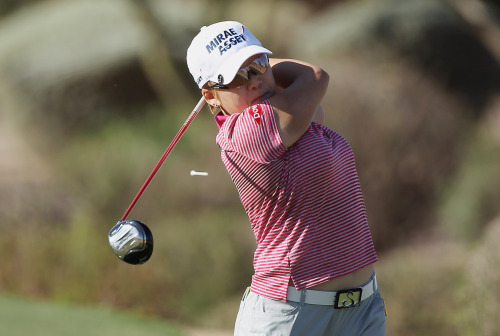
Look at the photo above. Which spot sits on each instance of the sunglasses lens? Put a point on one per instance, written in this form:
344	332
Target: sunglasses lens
260	64
258	67
238	81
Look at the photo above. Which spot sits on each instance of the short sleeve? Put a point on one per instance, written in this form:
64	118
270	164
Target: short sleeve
253	134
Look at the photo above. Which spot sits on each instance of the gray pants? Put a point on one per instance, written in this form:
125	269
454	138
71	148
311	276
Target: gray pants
259	315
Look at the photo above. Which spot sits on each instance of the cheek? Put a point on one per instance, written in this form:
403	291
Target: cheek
234	103
241	102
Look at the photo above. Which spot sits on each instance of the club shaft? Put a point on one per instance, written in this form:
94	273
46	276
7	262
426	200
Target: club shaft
179	134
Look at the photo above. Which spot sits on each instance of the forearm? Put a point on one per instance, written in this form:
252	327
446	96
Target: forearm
288	71
319	116
285	76
300	89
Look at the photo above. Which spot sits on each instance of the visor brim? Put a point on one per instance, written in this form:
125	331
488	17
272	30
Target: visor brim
229	69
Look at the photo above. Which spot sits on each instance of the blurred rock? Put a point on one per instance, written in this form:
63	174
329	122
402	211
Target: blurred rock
428	34
67	62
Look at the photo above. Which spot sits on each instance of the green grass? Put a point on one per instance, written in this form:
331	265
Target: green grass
29	317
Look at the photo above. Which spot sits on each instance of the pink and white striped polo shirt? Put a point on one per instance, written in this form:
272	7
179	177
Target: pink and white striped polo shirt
304	202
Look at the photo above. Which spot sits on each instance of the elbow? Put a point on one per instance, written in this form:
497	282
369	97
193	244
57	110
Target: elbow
322	80
322	76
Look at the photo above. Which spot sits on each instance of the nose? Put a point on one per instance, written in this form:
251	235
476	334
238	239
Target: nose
254	82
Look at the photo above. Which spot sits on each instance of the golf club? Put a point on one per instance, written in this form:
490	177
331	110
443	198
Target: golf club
131	240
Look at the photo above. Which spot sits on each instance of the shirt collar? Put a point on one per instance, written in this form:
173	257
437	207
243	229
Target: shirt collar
220	118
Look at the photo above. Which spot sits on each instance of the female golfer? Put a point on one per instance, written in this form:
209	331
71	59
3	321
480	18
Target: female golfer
297	181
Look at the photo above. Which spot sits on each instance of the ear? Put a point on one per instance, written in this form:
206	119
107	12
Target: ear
210	97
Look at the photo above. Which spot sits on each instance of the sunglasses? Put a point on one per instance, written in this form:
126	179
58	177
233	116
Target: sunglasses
257	67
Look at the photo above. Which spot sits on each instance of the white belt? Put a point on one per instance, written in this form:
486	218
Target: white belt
340	299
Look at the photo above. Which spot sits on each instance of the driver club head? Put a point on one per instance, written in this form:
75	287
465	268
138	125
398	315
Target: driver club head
132	241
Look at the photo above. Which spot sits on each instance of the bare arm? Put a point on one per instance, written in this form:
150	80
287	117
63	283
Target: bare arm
319	116
295	106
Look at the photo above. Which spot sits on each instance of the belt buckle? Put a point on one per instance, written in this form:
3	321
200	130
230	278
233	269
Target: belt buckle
348	298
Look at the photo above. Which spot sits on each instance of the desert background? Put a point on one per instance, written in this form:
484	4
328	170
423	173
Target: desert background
92	92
